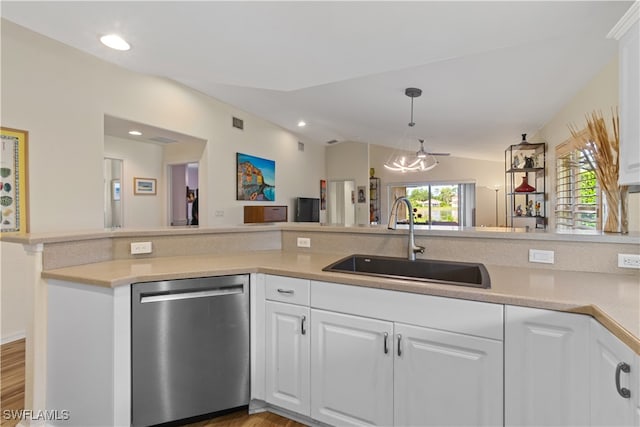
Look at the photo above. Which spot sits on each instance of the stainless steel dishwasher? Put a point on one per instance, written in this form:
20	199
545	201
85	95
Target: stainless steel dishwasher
189	348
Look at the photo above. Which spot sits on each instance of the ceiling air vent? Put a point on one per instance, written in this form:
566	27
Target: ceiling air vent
333	141
238	123
163	140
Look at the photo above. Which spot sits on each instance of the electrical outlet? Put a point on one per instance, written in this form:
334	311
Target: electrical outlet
628	261
544	257
219	213
304	242
140	248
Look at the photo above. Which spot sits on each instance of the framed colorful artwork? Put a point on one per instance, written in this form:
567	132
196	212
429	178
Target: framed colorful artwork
14	176
256	178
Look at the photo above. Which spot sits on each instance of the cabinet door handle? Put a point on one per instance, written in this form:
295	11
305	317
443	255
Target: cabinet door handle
285	291
386	338
304	331
622	391
399	345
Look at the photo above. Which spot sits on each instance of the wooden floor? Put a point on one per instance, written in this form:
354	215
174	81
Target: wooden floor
242	419
11	380
12	396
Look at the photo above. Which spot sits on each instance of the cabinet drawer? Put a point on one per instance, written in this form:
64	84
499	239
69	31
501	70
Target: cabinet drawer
480	319
287	289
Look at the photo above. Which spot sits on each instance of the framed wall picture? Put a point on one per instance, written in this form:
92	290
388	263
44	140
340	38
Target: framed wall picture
323	194
14	213
256	178
144	186
362	198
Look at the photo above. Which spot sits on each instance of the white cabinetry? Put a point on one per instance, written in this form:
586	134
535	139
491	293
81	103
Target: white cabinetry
546	367
610	381
287	352
444	378
627	32
287	356
369	366
352	370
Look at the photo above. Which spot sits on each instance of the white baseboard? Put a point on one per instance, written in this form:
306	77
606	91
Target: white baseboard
13	337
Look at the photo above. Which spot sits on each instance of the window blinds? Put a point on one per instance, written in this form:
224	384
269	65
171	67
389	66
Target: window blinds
577	192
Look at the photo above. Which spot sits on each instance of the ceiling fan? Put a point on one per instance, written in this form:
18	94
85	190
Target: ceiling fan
422	154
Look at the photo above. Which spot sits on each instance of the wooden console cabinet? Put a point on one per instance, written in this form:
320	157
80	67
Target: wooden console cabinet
260	214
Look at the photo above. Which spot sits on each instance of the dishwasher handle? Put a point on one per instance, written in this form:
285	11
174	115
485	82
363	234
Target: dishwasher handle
191	294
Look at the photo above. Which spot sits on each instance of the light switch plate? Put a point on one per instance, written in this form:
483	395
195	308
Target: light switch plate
544	257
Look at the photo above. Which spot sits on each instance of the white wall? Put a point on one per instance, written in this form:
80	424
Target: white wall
350	161
60	95
141	160
13	283
485	174
601	94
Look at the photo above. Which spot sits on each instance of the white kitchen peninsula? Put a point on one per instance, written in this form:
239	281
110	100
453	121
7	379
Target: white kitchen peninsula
610	297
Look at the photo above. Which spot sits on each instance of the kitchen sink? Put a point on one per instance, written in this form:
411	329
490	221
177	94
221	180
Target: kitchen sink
426	270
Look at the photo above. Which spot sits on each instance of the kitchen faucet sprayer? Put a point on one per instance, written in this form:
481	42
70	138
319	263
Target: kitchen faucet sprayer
393	222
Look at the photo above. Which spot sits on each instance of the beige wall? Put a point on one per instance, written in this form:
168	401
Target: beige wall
485	174
13	265
143	160
350	161
601	94
60	95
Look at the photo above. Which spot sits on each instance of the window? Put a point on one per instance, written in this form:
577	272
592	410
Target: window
578	197
438	204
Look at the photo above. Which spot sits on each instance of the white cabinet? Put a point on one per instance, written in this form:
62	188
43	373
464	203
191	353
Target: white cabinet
371	367
610	381
287	356
627	32
546	367
444	378
351	370
287	343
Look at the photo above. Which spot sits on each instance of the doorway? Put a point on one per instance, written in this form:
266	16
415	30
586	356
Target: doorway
183	179
341	202
113	210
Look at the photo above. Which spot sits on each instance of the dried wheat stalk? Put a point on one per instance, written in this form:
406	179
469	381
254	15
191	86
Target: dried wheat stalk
604	150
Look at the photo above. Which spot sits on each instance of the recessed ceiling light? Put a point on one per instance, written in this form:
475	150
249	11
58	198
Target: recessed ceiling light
301	124
135	132
114	41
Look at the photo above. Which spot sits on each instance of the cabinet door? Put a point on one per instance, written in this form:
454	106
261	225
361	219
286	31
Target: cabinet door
546	366
287	358
351	370
629	53
608	407
444	378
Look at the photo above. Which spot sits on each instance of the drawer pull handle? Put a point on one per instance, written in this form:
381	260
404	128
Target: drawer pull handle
304	331
622	391
285	291
386	338
399	345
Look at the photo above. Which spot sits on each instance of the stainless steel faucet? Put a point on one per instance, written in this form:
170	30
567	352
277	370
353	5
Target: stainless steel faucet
393	223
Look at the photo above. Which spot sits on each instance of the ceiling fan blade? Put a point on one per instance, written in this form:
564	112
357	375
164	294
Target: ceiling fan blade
439	154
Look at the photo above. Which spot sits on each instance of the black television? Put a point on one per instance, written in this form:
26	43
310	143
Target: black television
307	209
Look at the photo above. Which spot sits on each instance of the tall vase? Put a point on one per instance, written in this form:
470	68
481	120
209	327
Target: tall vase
524	187
616	208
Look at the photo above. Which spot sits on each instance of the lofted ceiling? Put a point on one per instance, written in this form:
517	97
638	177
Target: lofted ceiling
489	71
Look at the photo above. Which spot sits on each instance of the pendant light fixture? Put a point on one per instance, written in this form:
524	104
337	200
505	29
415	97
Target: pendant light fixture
421	161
